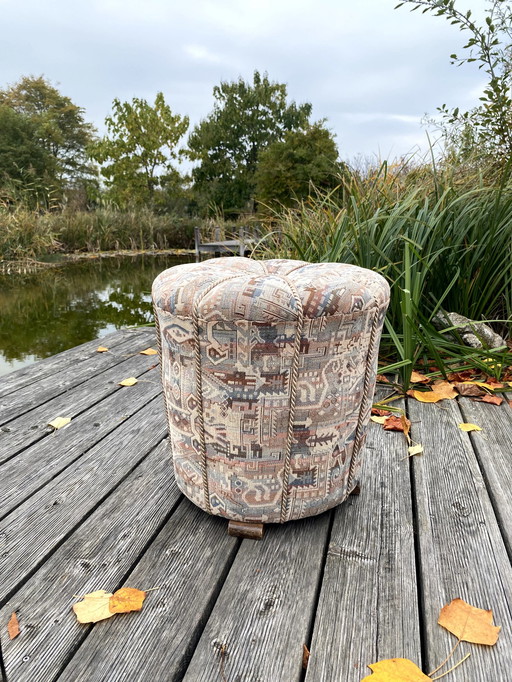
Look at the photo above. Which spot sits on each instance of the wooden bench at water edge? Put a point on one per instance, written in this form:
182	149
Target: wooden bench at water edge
241	246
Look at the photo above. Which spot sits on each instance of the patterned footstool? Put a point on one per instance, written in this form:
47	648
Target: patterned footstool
268	370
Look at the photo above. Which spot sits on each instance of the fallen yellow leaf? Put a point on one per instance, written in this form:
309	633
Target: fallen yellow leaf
149	351
131	381
482	384
101	349
468	623
418	378
94	607
379	420
59	422
395	670
13	627
469	427
126	599
415	450
441	390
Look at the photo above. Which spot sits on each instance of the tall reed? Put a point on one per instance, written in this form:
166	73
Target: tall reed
440	246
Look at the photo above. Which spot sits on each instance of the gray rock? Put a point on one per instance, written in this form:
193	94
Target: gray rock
474	334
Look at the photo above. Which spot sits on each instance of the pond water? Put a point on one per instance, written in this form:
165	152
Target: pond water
55	309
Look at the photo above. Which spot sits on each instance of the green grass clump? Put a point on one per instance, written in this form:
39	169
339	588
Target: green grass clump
441	244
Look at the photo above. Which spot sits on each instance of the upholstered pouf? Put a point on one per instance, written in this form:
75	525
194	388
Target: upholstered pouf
268	370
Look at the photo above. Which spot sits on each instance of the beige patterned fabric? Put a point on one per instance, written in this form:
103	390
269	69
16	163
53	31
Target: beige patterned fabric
268	369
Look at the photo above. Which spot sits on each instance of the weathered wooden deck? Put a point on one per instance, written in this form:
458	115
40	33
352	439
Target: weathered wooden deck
94	506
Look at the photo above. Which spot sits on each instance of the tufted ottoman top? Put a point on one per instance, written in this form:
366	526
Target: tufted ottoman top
271	290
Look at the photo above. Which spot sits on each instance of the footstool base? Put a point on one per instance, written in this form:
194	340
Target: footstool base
246	529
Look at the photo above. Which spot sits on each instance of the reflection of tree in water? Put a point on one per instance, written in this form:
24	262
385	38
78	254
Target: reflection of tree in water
48	312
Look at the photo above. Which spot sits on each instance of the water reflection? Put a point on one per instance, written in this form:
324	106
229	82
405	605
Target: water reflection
53	310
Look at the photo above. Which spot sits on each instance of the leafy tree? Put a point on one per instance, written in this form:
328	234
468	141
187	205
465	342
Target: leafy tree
139	150
487	127
22	158
246	118
60	129
288	169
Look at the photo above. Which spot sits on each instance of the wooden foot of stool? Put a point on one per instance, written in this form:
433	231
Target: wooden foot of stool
356	490
246	529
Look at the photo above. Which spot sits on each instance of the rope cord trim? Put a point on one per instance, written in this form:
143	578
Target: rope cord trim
294	374
360	431
199	384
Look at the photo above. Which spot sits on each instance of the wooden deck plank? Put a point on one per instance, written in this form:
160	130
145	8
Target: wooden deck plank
368	608
55	364
188	562
461	549
493	447
262	617
32	426
34	529
37	465
98	555
42	390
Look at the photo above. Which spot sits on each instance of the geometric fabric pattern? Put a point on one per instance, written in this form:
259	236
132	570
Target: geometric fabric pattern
268	371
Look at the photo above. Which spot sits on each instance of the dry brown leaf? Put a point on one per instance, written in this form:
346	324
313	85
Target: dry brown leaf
469	389
492	399
382	379
394	423
468	623
131	381
418	378
126	599
444	389
395	670
149	351
13	627
465	426
94	607
380	413
305	657
101	349
59	422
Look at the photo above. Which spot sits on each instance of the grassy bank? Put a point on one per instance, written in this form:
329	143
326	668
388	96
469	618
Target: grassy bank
30	234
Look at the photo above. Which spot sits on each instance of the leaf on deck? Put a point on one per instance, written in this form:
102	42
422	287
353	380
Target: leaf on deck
131	381
469	623
492	399
465	426
101	349
418	378
395	670
13	627
149	351
59	422
441	390
94	607
126	599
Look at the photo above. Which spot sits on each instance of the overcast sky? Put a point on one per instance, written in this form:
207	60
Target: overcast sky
372	71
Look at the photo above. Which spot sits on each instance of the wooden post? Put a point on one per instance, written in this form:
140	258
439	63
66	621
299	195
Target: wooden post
216	238
241	239
197	241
